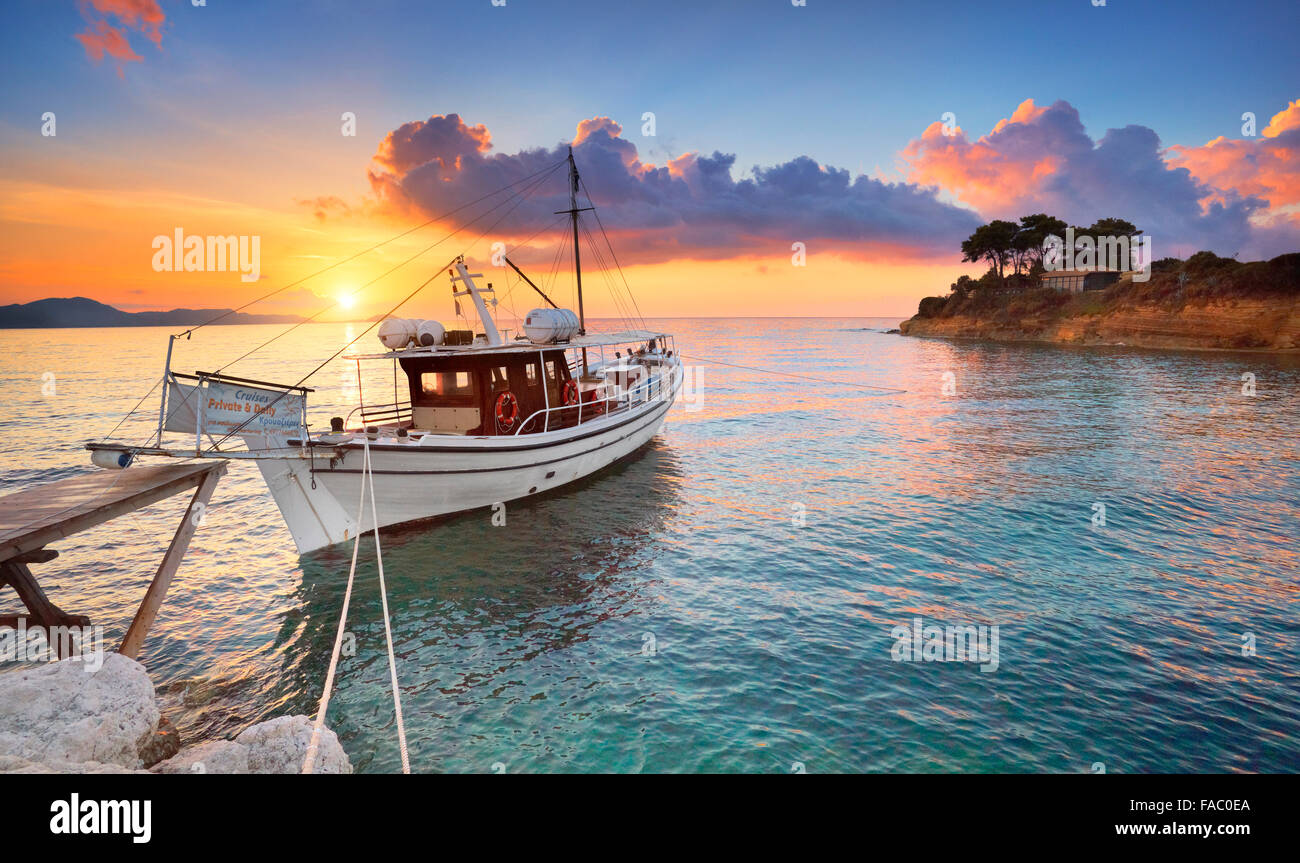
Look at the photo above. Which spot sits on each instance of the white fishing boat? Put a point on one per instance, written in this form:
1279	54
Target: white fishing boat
481	419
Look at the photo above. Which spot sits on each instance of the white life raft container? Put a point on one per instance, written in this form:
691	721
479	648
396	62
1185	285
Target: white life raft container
548	326
429	333
397	333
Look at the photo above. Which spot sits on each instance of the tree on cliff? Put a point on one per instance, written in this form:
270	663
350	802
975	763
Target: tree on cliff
1112	227
1034	231
993	243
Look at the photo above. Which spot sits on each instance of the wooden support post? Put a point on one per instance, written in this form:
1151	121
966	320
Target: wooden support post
153	598
44	613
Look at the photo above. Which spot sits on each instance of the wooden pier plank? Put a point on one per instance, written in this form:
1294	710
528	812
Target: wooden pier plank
31	519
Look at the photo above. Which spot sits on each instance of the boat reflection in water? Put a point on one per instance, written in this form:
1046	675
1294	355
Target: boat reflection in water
472	604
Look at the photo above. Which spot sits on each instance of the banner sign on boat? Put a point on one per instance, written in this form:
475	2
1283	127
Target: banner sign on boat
227	407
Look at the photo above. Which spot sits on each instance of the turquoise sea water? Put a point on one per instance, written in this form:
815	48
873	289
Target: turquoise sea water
725	601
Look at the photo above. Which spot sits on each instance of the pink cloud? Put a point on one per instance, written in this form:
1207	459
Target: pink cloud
104	39
444	140
1223	196
1268	166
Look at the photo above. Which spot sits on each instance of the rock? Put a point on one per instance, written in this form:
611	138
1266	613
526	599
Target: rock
63	718
216	756
162	744
63	712
275	746
279	746
14	764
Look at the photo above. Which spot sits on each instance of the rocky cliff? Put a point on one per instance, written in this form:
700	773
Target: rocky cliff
1205	303
1245	324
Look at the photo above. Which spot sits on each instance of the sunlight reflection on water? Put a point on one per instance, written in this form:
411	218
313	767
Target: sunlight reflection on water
771	642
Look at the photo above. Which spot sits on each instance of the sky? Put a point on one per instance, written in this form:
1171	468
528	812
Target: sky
874	136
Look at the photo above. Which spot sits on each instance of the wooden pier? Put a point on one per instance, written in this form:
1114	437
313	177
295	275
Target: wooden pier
30	520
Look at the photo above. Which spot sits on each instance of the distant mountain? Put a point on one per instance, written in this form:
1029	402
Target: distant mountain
83	312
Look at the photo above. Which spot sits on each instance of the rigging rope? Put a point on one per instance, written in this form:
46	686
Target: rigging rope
332	356
521	198
595	212
394	269
620	306
369	250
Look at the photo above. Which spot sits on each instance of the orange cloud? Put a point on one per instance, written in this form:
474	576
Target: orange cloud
104	39
1017	154
107	39
1235	196
1287	118
1026	112
323	205
143	15
1268	166
444	140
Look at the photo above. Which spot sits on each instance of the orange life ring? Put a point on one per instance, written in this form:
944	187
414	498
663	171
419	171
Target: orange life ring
570	392
507	409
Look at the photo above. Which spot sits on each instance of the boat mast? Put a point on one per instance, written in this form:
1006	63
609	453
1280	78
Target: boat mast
577	258
573	212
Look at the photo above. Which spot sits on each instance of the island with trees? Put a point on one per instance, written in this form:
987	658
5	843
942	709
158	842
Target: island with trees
1203	302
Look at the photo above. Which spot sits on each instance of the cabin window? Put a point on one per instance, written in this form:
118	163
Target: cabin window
448	387
551	374
531	370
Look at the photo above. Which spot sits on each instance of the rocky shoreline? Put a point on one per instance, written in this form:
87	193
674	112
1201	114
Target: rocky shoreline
62	718
1205	303
1264	324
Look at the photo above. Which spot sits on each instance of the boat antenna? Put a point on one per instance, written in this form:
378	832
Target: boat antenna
573	211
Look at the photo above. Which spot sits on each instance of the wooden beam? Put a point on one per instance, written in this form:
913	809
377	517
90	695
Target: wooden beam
46	613
153	597
39	555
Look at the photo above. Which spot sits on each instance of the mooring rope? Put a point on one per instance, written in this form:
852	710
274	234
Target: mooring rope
309	762
388	628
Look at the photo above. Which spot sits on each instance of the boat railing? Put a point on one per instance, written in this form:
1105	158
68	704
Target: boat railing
655	387
381	414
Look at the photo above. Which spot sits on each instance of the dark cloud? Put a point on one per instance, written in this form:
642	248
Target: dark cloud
691	207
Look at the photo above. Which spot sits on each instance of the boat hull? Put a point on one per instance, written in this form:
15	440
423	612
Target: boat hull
319	496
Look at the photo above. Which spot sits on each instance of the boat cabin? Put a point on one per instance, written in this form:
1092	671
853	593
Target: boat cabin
494	394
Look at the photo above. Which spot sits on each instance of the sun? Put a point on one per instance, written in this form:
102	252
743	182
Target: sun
346	300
